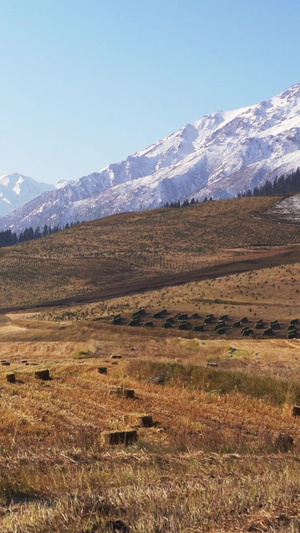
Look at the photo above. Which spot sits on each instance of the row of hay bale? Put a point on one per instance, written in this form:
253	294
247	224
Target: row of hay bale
292	332
267	329
136	317
44	375
169	322
184	324
126	437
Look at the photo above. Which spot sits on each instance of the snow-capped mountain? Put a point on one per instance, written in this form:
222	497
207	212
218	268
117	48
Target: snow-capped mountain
220	155
62	183
17	190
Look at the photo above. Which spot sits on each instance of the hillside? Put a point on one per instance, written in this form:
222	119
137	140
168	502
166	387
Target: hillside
136	251
214	442
220	155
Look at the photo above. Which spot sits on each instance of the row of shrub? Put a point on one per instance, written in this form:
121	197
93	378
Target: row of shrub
275	390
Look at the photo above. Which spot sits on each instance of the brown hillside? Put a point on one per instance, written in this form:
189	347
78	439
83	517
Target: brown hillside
133	251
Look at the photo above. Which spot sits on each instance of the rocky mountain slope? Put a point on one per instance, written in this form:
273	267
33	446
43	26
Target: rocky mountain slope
220	155
17	190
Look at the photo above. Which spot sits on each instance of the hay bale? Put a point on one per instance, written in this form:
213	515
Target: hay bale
102	369
11	378
198	328
114	438
140	420
149	324
182	316
183	326
117	320
122	392
160	314
147	421
219	325
139	313
259	325
296	410
44	375
268	332
134	322
135	315
284	442
274	324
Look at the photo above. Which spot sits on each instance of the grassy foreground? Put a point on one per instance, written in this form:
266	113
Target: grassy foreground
221	449
211	462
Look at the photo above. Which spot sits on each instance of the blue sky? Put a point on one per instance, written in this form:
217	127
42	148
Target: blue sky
85	83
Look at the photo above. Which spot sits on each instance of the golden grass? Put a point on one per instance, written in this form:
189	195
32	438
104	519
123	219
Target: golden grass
135	250
210	463
270	293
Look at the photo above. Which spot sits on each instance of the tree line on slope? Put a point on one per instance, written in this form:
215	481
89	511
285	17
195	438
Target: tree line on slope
9	238
283	185
185	203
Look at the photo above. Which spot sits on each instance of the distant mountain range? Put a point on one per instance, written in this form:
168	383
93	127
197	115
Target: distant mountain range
17	190
220	155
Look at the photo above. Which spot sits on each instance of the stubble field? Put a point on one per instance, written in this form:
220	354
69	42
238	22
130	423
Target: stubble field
221	453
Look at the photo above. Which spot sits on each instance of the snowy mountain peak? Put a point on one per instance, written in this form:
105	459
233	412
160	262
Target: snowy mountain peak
290	93
61	183
17	190
219	155
10	179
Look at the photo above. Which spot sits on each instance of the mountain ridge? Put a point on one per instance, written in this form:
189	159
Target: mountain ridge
220	155
17	190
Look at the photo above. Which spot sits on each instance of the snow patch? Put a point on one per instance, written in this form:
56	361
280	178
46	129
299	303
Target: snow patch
220	155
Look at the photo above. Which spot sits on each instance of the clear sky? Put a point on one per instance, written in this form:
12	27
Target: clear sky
85	83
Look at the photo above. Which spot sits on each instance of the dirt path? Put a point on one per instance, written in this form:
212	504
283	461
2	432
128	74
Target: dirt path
253	261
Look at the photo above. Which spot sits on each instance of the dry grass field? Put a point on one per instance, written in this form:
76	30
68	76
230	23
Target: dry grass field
211	461
215	446
136	251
